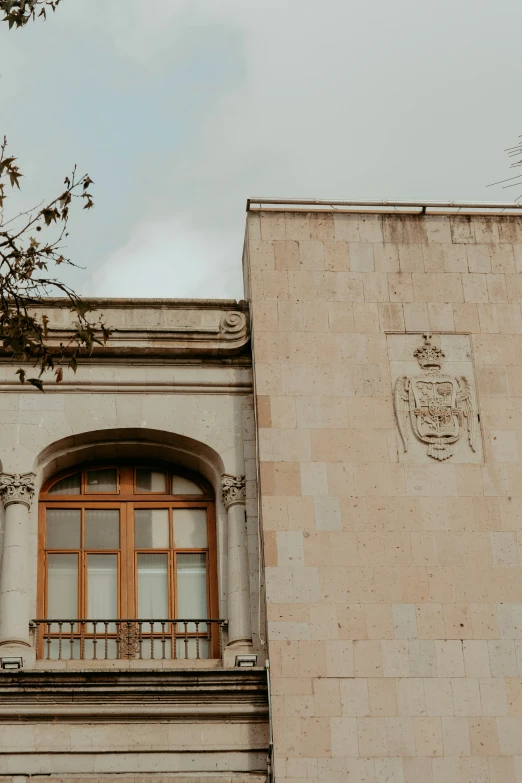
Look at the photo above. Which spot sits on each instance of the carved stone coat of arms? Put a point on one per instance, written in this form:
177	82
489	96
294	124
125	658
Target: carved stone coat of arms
439	407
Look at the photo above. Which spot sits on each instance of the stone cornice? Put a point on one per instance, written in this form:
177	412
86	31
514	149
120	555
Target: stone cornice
154	303
134	695
151	376
159	327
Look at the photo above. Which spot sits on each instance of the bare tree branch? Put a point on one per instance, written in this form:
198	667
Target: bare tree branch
512	152
31	243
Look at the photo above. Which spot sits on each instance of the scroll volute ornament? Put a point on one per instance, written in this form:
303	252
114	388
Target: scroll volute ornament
233	324
17	488
234	489
233	332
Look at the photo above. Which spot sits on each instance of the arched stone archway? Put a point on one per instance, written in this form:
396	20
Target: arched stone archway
144	443
128	442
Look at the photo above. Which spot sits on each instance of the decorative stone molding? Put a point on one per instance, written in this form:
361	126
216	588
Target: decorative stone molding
234	489
160	328
17	488
162	694
233	323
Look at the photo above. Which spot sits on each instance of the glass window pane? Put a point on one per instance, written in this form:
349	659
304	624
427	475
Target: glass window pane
62	587
191	578
190	528
62	529
104	480
151	528
184	486
102	528
70	485
150	481
153	586
102	587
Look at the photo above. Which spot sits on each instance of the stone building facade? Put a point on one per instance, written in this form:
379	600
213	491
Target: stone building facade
170	394
350	609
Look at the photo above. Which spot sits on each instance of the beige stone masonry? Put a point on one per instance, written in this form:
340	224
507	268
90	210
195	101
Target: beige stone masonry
393	579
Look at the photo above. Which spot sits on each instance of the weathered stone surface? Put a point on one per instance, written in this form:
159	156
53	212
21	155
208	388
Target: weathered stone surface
394	580
160	327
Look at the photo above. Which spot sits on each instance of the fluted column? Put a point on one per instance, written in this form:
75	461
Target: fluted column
17	492
239	622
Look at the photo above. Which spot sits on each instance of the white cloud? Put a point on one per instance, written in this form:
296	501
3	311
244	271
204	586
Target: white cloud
284	98
167	258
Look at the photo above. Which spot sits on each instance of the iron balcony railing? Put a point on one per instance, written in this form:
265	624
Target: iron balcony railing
59	640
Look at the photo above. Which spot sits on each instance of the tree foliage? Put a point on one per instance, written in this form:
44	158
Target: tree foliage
31	244
31	247
19	12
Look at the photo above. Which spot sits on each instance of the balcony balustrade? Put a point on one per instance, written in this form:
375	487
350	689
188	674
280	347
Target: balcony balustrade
127	639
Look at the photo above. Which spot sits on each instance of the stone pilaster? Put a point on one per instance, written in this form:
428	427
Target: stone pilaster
17	493
239	622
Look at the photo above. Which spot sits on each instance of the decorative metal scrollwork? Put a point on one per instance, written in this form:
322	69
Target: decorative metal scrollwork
128	639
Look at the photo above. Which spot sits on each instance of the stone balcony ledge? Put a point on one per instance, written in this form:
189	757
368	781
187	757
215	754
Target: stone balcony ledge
134	694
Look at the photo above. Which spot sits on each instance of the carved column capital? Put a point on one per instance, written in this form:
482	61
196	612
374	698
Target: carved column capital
234	489
17	488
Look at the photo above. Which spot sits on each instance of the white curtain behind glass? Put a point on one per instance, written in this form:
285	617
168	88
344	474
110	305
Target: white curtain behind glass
192	586
153	600
62	590
102	587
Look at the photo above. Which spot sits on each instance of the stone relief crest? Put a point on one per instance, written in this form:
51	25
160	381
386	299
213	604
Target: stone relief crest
438	406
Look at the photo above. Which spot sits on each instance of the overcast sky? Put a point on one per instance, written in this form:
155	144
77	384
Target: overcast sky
181	109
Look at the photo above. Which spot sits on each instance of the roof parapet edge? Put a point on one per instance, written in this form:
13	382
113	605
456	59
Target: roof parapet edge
411	207
174	304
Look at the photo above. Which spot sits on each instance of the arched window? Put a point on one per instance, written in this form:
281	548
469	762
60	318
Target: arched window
127	564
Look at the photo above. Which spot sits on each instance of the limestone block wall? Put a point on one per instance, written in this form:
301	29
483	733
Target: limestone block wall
393	578
232	752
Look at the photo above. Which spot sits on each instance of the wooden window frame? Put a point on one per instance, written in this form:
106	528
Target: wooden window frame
127	500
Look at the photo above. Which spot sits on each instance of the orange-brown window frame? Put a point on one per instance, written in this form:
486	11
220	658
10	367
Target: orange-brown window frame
126	500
